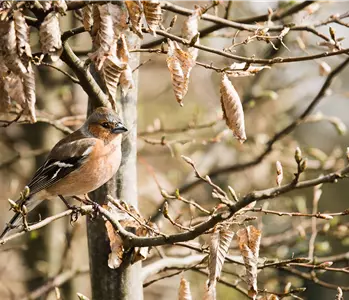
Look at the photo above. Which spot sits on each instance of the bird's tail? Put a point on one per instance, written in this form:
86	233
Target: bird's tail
17	219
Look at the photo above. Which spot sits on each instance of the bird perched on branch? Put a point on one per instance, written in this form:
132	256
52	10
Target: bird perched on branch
79	163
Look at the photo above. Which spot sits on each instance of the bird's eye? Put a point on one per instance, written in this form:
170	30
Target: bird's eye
105	125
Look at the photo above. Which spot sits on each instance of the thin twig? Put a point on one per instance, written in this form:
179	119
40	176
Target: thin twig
72	78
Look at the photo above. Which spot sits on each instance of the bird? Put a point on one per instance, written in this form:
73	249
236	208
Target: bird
78	164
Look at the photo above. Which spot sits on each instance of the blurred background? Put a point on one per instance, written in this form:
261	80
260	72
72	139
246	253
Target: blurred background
272	99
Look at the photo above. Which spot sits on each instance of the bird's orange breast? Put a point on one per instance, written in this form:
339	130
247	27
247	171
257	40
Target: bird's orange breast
102	163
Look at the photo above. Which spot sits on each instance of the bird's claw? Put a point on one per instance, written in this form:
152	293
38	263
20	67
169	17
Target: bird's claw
75	213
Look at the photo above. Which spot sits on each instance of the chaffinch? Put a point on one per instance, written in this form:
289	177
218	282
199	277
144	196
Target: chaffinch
78	164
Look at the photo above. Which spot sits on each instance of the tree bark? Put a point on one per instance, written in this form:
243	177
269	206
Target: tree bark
124	282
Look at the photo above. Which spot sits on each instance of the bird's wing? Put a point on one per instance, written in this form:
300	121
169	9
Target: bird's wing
66	157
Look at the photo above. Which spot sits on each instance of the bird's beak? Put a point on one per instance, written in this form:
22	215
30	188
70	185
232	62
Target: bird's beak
119	128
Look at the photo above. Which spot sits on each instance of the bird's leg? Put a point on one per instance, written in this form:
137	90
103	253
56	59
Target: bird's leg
81	200
87	201
75	210
94	204
65	202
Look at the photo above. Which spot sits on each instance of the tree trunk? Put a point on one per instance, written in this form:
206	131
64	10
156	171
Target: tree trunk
124	282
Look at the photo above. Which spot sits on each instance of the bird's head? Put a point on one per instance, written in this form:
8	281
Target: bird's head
105	124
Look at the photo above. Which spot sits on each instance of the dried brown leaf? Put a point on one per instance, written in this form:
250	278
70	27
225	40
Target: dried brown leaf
87	17
190	26
184	290
153	14
122	50
249	240
13	90
126	80
119	15
17	76
58	5
219	246
123	213
96	23
190	30
135	12
179	64
210	293
105	37
111	70
50	36
5	100
29	92
232	109
141	253
8	48
111	22
22	35
116	247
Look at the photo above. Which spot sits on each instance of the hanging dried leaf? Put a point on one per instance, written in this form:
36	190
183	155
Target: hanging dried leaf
279	173
153	14
18	86
122	49
119	15
210	293
184	290
141	253
29	92
249	241
219	246
22	35
232	109
191	26
122	212
17	89
5	8
50	36
111	22
126	80
135	12
87	17
116	247
8	48
96	23
180	64
190	30
13	88
112	69
105	36
60	6
5	100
